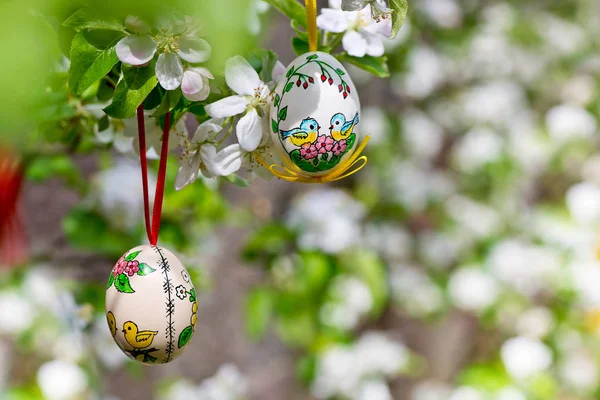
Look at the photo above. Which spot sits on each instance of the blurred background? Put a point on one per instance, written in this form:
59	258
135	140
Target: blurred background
459	264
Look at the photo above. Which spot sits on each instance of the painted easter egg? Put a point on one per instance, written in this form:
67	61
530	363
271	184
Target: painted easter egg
315	118
151	305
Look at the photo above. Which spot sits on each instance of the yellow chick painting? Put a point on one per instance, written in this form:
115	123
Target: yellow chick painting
306	133
112	323
137	339
340	128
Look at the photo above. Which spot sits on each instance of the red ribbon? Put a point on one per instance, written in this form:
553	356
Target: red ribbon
13	243
152	230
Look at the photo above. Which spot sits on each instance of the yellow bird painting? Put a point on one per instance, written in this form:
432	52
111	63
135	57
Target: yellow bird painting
306	133
112	323
340	128
137	339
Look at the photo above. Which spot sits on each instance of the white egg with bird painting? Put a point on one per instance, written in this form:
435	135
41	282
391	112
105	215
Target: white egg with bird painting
151	305
315	118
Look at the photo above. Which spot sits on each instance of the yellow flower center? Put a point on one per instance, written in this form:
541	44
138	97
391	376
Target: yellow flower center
167	42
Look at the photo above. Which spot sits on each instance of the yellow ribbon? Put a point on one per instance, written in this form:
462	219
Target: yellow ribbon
311	21
341	171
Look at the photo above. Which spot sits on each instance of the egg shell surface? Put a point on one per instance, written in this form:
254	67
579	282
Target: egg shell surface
151	305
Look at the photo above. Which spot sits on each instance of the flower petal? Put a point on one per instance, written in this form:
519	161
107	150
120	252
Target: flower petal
202	94
206	129
188	172
332	20
241	77
227	107
223	163
192	82
169	71
374	44
105	136
353	5
122	143
137	25
195	85
204	72
278	71
249	130
193	49
136	49
354	44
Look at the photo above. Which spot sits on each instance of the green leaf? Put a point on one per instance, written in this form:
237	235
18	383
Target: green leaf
292	9
145	269
105	91
289	87
88	64
297	329
375	65
132	256
274	126
103	39
132	89
197	109
312	57
290	72
185	336
62	166
192	295
168	103
86	229
122	284
283	114
111	280
85	19
154	99
300	46
367	265
237	180
340	71
258	311
263	61
399	10
277	100
270	240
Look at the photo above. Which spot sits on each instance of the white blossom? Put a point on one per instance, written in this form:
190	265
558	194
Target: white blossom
363	35
327	219
524	357
117	190
566	122
472	289
477	148
61	380
580	370
174	42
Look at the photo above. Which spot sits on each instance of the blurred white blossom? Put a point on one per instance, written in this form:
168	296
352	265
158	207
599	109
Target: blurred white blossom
567	122
472	289
423	136
351	300
348	370
327	219
524	357
477	148
417	293
117	191
61	380
580	370
445	13
535	322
